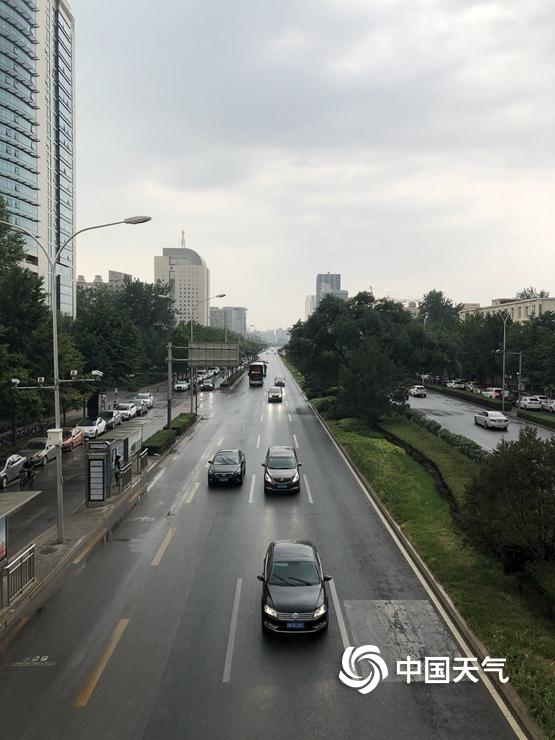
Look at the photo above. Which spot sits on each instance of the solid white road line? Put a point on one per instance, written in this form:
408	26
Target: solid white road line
155	480
308	493
251	492
232	631
258	442
296	441
191	496
220	441
339	615
163	547
261	417
290	417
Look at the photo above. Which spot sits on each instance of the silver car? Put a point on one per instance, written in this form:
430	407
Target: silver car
492	420
39	451
10	468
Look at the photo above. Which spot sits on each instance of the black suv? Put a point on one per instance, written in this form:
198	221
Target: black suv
281	470
294	597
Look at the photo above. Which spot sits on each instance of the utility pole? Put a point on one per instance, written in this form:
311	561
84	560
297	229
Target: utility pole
170	378
505	318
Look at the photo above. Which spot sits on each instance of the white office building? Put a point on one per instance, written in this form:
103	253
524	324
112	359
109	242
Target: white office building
188	278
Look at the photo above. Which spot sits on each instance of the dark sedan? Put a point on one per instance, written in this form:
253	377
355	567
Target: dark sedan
294	598
227	467
281	470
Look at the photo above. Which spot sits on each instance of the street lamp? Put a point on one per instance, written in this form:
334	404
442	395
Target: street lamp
197	304
52	261
505	317
519	355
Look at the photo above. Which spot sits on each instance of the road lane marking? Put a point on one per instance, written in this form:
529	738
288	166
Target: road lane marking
220	441
155	480
163	547
296	441
251	492
85	694
194	489
308	493
86	551
261	417
19	626
339	614
232	631
258	442
290	417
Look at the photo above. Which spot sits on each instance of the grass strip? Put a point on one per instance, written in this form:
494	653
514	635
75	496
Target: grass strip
488	599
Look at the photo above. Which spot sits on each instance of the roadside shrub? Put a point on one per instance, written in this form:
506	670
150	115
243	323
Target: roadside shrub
510	502
548	420
160	441
232	378
467	446
490	403
182	422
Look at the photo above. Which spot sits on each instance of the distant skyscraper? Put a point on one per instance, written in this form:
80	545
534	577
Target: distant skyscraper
309	306
189	282
329	284
232	317
117	279
217	317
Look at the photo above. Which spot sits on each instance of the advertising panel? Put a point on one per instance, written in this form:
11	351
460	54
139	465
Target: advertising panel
213	354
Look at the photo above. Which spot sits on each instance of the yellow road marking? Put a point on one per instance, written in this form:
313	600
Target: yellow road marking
164	546
83	554
19	626
85	694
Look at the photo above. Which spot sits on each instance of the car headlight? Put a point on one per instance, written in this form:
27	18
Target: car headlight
321	610
268	478
295	478
269	611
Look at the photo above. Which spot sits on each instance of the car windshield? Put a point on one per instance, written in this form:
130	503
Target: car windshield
87	423
106	414
294	573
275	390
227	458
282	462
124	406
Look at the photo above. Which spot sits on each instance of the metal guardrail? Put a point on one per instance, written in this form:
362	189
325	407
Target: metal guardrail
17	575
142	461
125	476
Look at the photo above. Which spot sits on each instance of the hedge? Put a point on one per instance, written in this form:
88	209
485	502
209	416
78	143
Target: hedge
467	446
182	422
232	378
548	420
160	441
490	403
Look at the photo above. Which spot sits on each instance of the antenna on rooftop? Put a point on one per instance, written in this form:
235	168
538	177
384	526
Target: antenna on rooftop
182	238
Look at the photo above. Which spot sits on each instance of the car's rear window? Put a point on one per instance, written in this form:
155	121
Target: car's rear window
294	573
282	462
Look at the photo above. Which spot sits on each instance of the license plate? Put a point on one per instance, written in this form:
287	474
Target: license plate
295	625
281	485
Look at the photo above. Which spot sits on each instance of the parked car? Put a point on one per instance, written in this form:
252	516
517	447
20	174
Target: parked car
207	385
294	597
112	417
281	472
531	403
128	410
10	468
275	395
227	466
279	381
39	451
181	385
72	438
492	420
141	405
148	397
418	391
493	393
549	405
473	387
92	428
457	384
542	399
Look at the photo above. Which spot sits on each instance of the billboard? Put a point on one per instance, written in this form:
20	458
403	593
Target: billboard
213	354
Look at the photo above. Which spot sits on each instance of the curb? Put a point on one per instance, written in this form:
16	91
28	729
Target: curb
101	531
231	387
507	694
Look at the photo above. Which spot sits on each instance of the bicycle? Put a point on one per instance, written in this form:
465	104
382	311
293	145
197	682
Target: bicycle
26	478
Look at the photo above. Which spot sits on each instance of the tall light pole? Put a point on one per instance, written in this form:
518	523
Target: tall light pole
52	261
505	317
197	304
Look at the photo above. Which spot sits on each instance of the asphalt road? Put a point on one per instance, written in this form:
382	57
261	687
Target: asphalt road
458	417
156	634
40	513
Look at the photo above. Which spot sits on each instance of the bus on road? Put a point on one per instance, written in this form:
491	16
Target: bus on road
256	373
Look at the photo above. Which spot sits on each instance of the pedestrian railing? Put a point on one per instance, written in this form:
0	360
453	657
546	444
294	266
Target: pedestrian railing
125	477
142	461
17	575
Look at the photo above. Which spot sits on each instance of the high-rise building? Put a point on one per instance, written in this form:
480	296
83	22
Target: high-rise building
329	283
37	133
309	306
117	279
189	282
217	317
234	318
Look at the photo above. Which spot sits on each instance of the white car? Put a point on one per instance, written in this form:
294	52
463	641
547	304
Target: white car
128	410
492	420
458	384
91	428
493	392
141	404
549	405
418	391
543	399
10	468
181	385
148	397
530	402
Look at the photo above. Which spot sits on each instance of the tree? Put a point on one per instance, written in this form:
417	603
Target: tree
438	308
510	504
531	292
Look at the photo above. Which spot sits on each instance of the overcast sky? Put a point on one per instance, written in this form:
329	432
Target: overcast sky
407	144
